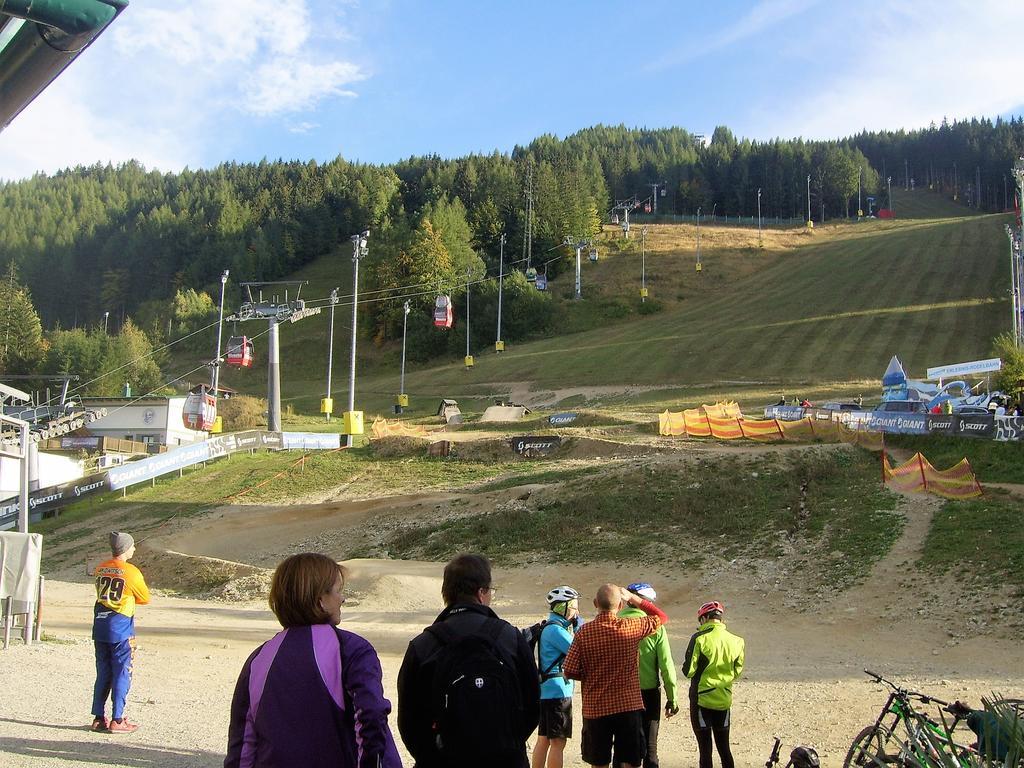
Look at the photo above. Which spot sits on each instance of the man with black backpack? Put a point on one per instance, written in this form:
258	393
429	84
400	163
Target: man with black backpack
468	689
552	638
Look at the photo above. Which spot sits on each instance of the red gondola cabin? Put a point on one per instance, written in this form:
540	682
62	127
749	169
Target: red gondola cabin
240	352
200	409
443	313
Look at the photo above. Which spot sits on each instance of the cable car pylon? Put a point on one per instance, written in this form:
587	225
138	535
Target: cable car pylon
274	312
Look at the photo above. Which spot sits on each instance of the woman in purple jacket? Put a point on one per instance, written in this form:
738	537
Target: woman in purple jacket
310	696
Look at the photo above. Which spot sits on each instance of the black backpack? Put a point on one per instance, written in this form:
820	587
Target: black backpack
477	706
532	635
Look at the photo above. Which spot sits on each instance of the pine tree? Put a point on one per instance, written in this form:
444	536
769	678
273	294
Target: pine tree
21	334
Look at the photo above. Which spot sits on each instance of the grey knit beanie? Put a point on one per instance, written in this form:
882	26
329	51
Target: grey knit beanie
120	542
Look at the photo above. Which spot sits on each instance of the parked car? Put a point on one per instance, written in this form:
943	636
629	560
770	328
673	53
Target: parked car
903	406
837	406
972	410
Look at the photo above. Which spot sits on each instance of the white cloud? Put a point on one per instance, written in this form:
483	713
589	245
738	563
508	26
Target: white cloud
291	85
161	81
303	127
919	65
60	129
763	15
266	45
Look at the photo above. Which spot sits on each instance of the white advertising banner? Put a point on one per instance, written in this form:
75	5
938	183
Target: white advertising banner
20	554
965	369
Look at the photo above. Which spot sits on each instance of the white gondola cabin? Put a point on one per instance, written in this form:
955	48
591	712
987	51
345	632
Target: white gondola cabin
200	409
593	254
240	352
531	275
542	282
443	313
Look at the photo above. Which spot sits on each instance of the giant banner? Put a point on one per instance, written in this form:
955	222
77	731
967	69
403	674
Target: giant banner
154	466
900	423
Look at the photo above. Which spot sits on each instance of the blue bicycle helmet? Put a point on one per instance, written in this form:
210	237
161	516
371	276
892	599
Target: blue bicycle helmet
644	590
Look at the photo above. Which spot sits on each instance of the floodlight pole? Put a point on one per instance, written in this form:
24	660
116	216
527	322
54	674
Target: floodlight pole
359	250
808	199
501	280
1014	287
330	349
760	242
468	274
643	264
698	235
405	328
1018	177
860	177
215	373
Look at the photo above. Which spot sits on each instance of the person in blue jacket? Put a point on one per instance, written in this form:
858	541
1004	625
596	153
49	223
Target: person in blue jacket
555	690
310	696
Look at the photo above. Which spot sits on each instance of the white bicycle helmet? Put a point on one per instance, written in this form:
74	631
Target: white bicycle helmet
562	594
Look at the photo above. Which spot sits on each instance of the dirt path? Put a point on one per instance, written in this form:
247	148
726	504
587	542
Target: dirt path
893	574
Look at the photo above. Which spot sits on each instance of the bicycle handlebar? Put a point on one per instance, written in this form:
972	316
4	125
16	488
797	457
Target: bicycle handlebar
922	697
774	759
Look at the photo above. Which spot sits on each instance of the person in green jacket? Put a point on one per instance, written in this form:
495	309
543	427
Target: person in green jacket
714	659
655	661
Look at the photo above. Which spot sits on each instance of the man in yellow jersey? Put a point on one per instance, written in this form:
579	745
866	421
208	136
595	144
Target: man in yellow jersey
119	588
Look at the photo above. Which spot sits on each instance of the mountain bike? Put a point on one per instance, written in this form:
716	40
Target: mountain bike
910	738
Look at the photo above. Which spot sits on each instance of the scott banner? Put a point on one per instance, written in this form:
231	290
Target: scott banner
941	424
54	497
976	426
532	446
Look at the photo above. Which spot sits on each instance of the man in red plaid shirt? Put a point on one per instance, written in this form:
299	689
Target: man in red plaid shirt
603	656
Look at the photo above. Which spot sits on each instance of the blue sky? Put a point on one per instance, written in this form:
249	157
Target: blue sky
175	84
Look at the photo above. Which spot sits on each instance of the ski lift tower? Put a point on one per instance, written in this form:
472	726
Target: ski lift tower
625	206
578	246
274	312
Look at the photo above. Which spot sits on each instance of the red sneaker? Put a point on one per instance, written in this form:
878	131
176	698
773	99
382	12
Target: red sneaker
98	724
122	726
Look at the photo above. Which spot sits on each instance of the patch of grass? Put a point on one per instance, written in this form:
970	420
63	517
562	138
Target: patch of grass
992	461
542	477
269	478
729	507
48	637
982	538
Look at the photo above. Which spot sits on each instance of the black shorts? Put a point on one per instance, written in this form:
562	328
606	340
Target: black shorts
626	729
555	718
702	718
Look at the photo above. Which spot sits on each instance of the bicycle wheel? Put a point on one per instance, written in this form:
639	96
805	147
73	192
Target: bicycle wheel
868	749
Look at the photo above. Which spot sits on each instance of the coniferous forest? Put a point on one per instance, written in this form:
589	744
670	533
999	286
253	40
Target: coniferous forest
148	247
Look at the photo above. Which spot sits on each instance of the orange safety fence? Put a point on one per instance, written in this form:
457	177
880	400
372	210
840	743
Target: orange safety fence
396	427
698	422
917	474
